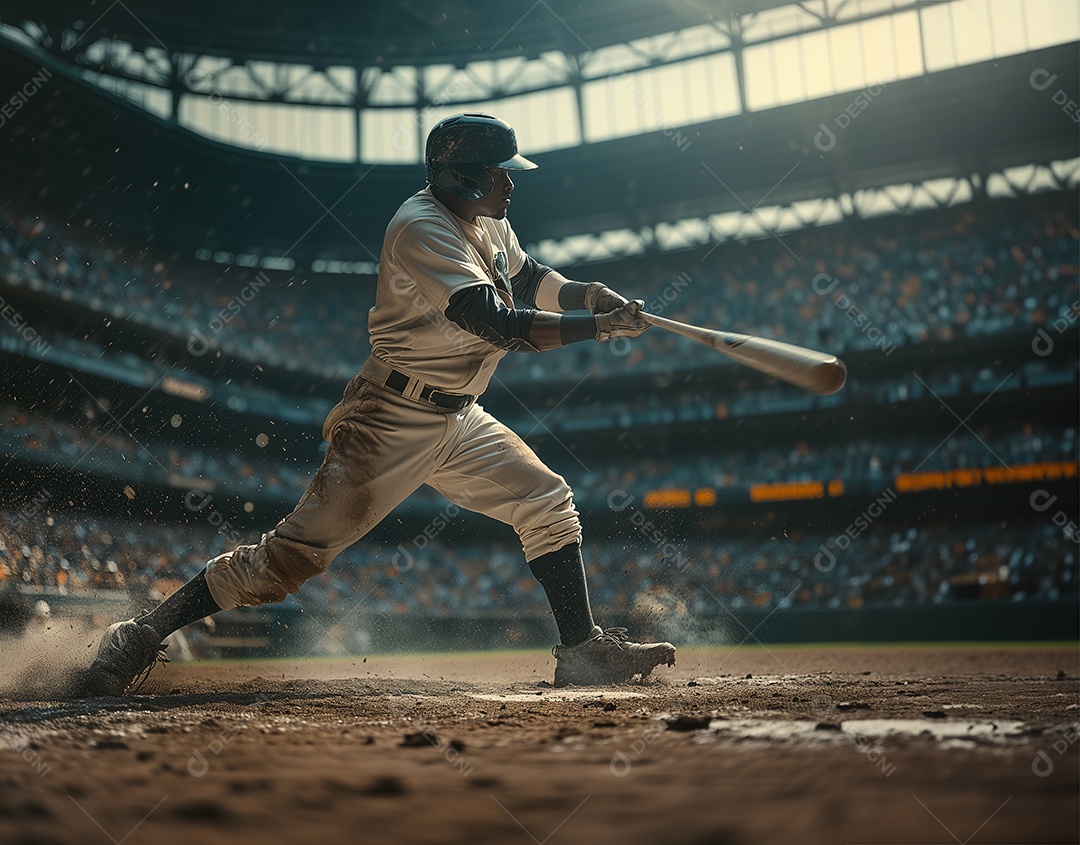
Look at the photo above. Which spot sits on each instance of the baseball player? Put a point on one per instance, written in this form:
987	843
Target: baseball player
455	293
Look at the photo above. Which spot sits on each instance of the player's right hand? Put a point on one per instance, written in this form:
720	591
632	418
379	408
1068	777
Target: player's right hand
622	322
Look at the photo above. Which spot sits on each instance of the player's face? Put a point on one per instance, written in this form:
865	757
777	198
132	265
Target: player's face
497	201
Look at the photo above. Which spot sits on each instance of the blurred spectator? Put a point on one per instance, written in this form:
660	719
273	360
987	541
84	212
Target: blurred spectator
910	565
971	270
874	462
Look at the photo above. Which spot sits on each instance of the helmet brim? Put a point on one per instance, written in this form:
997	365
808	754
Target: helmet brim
518	162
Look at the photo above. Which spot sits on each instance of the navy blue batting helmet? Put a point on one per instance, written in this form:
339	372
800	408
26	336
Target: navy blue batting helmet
461	147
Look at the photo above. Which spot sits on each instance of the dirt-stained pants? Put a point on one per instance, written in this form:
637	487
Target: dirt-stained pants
382	447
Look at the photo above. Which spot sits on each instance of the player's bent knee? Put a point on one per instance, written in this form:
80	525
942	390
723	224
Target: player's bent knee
550	527
264	573
239	579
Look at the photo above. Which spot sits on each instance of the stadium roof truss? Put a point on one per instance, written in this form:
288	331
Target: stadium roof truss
776	220
601	91
368	82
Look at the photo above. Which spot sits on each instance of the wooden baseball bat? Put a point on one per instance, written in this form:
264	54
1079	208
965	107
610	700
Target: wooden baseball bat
814	371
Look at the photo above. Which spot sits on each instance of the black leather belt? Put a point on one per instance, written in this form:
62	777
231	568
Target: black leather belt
399	382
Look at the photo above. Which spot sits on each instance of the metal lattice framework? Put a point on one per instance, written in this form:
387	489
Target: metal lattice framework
773	221
157	64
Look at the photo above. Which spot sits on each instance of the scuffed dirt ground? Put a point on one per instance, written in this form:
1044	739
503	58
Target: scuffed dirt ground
744	745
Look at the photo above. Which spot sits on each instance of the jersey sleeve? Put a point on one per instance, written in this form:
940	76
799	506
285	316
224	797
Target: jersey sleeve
437	260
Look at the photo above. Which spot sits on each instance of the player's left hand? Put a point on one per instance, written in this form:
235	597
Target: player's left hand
600	299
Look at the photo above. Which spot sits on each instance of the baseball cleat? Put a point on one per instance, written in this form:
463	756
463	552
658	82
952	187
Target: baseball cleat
607	657
127	653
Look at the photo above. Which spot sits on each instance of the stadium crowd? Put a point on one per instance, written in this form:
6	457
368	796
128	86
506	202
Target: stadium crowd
916	564
873	463
1001	266
882	283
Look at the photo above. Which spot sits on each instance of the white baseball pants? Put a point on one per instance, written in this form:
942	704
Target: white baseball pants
382	448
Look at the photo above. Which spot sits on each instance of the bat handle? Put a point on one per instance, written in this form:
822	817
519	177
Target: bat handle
653	320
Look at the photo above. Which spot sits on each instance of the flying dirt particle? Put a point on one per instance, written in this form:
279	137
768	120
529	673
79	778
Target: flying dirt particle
687	722
36	810
109	744
129	491
202	810
242	787
386	786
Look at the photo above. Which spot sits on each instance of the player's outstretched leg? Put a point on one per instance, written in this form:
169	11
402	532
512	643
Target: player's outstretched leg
594	656
129	650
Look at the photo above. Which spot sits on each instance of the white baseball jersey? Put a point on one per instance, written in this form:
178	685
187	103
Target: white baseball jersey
428	255
383	445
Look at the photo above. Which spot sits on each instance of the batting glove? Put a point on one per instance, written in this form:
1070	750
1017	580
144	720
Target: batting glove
622	322
600	299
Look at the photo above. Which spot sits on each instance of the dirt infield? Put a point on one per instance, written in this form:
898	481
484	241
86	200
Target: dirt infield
745	745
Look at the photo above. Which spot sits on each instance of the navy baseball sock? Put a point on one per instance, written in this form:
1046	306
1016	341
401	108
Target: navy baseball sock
190	603
562	575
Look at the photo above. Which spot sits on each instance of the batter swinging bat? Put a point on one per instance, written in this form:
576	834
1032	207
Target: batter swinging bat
814	371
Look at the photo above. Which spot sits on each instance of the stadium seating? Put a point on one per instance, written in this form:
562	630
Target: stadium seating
1001	266
913	565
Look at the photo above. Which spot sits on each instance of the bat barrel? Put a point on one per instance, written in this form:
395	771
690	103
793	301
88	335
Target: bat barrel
818	372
